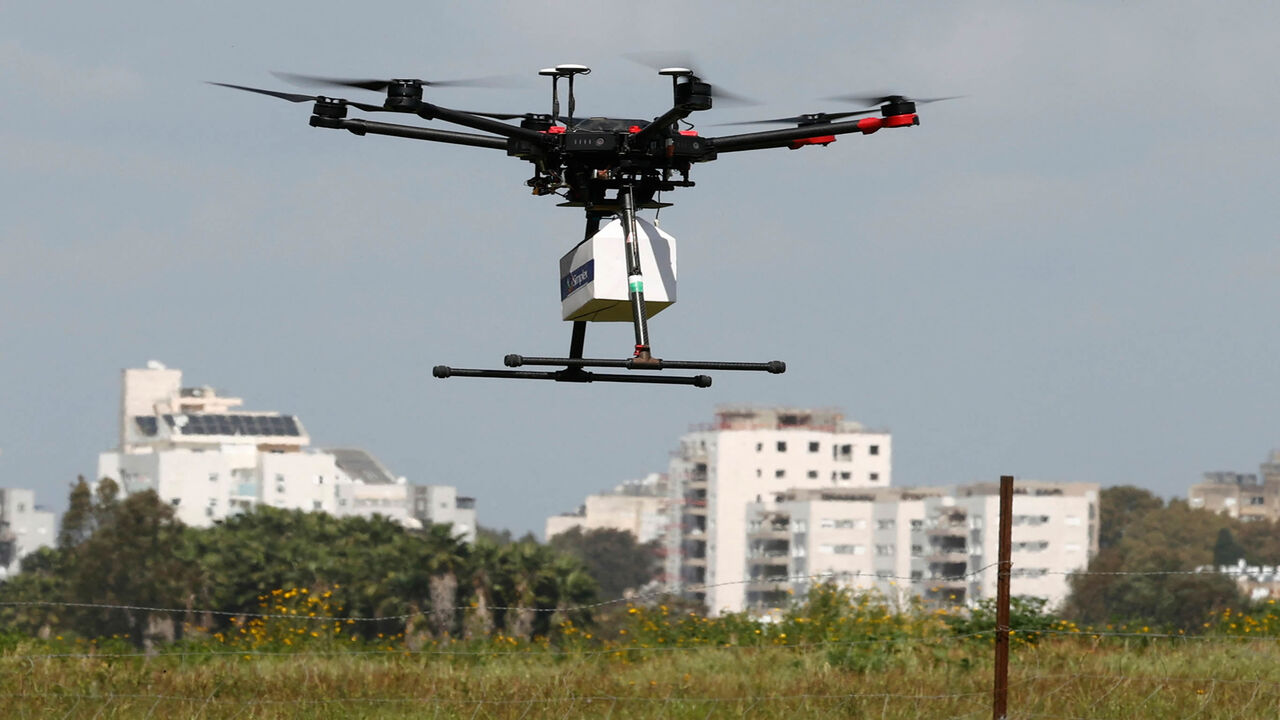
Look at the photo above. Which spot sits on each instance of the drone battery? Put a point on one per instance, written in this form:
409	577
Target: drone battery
593	276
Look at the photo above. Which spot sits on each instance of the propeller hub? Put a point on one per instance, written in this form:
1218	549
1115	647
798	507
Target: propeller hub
897	105
403	94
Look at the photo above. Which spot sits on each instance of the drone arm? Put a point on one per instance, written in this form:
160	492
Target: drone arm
784	138
654	129
431	112
362	127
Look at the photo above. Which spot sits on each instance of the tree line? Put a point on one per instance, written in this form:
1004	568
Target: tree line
157	578
1147	550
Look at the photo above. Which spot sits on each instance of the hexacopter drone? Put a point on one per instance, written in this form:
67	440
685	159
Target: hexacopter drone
608	167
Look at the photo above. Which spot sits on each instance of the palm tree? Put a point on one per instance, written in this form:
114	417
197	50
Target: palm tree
447	554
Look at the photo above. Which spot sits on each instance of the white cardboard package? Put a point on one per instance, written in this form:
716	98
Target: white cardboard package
593	275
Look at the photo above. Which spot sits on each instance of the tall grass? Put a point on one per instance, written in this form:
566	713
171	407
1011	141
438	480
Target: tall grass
835	656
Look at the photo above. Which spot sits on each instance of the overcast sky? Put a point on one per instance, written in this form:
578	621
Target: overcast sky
1070	274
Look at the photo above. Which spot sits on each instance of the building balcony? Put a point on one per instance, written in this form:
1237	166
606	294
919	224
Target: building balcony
769	532
772	557
943	556
764	585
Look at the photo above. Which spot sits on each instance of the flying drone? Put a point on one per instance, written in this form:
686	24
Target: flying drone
609	167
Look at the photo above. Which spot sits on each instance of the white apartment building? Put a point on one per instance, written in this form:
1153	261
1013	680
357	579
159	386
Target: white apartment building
747	455
24	528
940	544
1054	533
863	539
636	506
210	460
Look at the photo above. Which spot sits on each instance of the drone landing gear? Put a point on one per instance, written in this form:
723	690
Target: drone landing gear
573	366
573	369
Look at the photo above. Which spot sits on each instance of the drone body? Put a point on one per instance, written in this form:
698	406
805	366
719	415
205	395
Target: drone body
608	167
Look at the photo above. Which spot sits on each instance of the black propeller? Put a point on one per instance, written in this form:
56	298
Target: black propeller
680	59
879	100
380	85
298	98
802	120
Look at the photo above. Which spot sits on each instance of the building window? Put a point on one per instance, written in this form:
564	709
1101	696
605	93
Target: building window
917	551
874	477
827	523
759	472
174	502
813	447
842	452
782	446
884	550
317	505
917	575
874	449
779	473
884	524
759	447
828	549
846	475
213	477
1256	500
917	524
319	479
845	524
813	474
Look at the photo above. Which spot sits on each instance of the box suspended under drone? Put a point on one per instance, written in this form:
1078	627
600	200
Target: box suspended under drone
593	276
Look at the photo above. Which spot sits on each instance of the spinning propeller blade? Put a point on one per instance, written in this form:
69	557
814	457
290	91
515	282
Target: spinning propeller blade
298	98
881	99
807	119
681	59
380	85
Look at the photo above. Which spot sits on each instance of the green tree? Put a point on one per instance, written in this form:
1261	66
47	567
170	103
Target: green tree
130	562
1226	551
1149	575
78	521
613	557
1119	508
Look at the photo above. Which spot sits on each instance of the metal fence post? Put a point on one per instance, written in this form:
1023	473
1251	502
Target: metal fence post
1000	702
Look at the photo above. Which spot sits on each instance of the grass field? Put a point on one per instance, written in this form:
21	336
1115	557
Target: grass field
1067	677
835	656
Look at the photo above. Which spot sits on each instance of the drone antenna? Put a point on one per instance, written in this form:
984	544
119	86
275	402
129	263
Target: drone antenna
554	74
568	71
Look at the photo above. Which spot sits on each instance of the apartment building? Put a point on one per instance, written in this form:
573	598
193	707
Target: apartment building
639	507
1245	496
863	539
24	528
745	456
939	544
1055	532
210	459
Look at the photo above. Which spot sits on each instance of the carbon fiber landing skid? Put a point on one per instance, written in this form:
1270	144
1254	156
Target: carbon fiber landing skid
573	371
572	367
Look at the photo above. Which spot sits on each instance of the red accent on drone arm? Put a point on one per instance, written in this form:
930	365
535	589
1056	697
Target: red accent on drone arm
784	138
